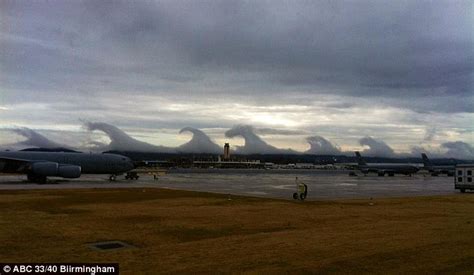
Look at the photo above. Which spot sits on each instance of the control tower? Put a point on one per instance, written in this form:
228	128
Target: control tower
226	152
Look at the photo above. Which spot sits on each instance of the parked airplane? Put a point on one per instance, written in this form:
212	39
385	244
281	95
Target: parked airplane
435	170
382	169
40	165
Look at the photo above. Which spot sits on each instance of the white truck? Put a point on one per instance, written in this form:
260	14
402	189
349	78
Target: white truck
463	177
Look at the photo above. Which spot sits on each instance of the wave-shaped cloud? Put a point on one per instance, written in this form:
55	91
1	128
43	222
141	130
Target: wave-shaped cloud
202	143
253	143
35	139
199	143
376	147
458	149
121	141
321	146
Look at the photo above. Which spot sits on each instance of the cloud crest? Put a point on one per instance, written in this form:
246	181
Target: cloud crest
253	143
200	143
321	146
376	148
35	139
121	141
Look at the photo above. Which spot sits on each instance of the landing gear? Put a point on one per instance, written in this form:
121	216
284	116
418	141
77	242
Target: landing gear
37	178
132	176
463	190
381	174
113	178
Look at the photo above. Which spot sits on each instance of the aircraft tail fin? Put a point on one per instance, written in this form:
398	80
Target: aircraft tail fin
360	160
426	160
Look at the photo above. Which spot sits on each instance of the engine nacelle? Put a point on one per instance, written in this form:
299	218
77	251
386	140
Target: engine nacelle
69	171
45	168
54	169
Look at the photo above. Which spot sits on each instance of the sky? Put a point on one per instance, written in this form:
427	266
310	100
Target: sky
350	72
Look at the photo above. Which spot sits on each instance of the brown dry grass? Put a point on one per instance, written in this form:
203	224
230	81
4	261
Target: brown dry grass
179	231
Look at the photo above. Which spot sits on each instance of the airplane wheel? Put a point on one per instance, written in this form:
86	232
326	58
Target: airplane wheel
295	196
41	180
112	178
463	190
37	179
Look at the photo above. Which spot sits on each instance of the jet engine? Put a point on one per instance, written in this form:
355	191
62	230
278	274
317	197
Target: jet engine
45	168
69	171
54	169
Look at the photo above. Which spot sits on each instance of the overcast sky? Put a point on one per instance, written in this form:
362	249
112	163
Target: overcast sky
398	71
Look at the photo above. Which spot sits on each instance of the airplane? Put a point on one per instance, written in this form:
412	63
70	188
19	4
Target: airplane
40	165
382	169
435	170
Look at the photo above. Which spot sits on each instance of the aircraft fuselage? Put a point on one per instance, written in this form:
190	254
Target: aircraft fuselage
89	163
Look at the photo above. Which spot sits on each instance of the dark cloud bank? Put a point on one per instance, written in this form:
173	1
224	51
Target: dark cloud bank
417	55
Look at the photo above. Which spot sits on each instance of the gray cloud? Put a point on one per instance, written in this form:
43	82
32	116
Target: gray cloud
285	132
376	147
458	149
421	49
430	134
200	143
253	143
121	141
35	139
321	146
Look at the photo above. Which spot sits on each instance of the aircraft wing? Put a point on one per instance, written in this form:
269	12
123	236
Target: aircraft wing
12	165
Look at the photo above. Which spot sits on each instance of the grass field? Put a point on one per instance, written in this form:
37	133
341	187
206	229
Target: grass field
180	231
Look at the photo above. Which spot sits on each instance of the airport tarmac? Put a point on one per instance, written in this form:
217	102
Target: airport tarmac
258	183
